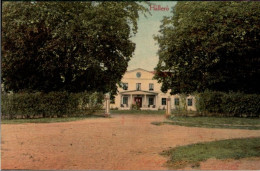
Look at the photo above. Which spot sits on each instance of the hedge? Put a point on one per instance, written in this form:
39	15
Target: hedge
53	104
229	104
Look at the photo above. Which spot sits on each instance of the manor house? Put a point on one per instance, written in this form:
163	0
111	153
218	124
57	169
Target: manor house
141	90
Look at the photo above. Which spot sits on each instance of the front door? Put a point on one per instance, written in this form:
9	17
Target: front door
138	101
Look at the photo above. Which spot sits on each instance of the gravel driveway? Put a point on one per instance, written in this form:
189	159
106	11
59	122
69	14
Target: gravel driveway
123	142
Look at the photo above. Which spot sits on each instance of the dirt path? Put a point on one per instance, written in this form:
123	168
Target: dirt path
123	142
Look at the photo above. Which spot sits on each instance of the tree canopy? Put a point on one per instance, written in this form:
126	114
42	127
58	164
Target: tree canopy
70	46
210	45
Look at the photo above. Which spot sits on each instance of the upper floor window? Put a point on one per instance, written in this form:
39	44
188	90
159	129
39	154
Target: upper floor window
151	87
176	101
163	101
125	86
189	102
138	74
138	86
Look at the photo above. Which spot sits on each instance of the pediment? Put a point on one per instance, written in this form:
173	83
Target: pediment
139	73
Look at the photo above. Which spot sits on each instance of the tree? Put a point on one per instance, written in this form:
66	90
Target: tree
68	46
210	45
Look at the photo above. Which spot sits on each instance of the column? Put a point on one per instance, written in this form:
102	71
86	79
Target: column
107	102
120	101
168	107
131	101
145	102
157	102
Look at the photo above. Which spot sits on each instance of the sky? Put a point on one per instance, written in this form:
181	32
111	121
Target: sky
145	55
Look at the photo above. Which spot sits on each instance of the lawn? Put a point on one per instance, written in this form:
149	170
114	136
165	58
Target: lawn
98	113
214	122
47	120
192	155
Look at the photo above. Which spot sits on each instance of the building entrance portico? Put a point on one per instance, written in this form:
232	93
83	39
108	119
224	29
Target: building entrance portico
144	99
138	101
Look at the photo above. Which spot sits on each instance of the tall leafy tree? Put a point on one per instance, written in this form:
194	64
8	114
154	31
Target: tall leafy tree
70	46
210	45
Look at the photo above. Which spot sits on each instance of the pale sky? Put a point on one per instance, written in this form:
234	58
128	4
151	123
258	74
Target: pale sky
145	55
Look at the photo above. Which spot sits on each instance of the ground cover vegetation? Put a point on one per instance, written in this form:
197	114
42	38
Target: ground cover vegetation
219	110
182	156
212	122
50	120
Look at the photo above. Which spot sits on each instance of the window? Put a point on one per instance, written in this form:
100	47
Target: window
163	101
125	86
151	87
176	101
138	74
150	100
138	86
125	100
189	102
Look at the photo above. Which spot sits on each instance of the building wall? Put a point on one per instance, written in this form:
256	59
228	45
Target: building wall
145	79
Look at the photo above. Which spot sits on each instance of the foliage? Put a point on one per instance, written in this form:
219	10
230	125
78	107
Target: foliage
229	104
224	149
53	104
135	107
210	45
67	46
183	103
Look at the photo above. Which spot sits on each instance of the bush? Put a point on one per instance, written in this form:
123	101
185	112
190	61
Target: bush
135	107
53	104
229	104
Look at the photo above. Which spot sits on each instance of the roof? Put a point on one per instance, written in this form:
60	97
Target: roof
138	92
160	73
140	69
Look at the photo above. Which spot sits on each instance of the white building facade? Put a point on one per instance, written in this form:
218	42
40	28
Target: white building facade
141	90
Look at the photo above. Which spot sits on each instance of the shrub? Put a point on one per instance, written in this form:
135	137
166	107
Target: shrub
53	104
135	107
229	104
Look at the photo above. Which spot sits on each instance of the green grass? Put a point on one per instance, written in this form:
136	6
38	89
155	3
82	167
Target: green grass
98	113
191	155
184	113
219	120
47	120
153	112
214	122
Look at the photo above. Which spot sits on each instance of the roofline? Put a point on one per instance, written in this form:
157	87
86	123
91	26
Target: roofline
140	69
129	91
